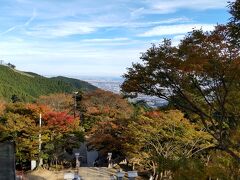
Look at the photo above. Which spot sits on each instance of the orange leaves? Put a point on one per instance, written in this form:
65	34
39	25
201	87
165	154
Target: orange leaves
59	121
154	114
102	105
105	103
38	108
105	113
21	124
93	110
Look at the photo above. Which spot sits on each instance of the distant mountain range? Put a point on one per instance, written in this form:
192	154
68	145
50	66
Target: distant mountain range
28	85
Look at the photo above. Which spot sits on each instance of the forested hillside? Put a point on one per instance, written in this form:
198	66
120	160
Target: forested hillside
83	85
28	86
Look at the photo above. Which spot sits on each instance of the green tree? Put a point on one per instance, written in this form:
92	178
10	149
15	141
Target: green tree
15	98
29	86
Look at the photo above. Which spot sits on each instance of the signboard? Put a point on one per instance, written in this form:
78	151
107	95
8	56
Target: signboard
33	164
68	176
7	161
132	174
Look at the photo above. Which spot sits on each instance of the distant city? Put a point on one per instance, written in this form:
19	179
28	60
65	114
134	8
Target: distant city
113	84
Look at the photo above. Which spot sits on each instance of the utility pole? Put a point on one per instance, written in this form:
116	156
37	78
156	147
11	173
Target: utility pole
40	140
75	103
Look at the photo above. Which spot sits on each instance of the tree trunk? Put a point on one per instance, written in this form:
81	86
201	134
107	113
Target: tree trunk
231	153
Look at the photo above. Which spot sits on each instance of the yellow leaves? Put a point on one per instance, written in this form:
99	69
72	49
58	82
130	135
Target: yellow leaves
166	135
2	107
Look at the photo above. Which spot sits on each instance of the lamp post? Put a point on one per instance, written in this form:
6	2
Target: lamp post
77	160
109	160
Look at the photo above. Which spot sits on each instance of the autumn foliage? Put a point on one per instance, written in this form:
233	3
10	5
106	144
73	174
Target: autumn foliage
59	131
200	76
102	105
58	102
60	121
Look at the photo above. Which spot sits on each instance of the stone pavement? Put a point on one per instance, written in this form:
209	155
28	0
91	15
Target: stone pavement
96	173
86	173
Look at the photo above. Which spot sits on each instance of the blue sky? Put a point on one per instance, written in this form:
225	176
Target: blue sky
96	37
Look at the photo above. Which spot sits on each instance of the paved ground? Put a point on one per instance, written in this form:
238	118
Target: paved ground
86	173
94	173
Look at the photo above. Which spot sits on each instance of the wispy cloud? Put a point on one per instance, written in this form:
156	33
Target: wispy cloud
96	36
55	30
106	40
8	30
27	23
175	29
154	23
166	6
60	30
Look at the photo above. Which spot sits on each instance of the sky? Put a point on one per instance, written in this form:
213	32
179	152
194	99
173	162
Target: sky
96	37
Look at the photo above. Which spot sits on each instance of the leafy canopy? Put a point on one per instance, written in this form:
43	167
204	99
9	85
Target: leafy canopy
161	140
200	76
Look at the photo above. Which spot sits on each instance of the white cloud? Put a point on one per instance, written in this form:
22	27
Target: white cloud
175	29
108	29
64	28
73	58
152	23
